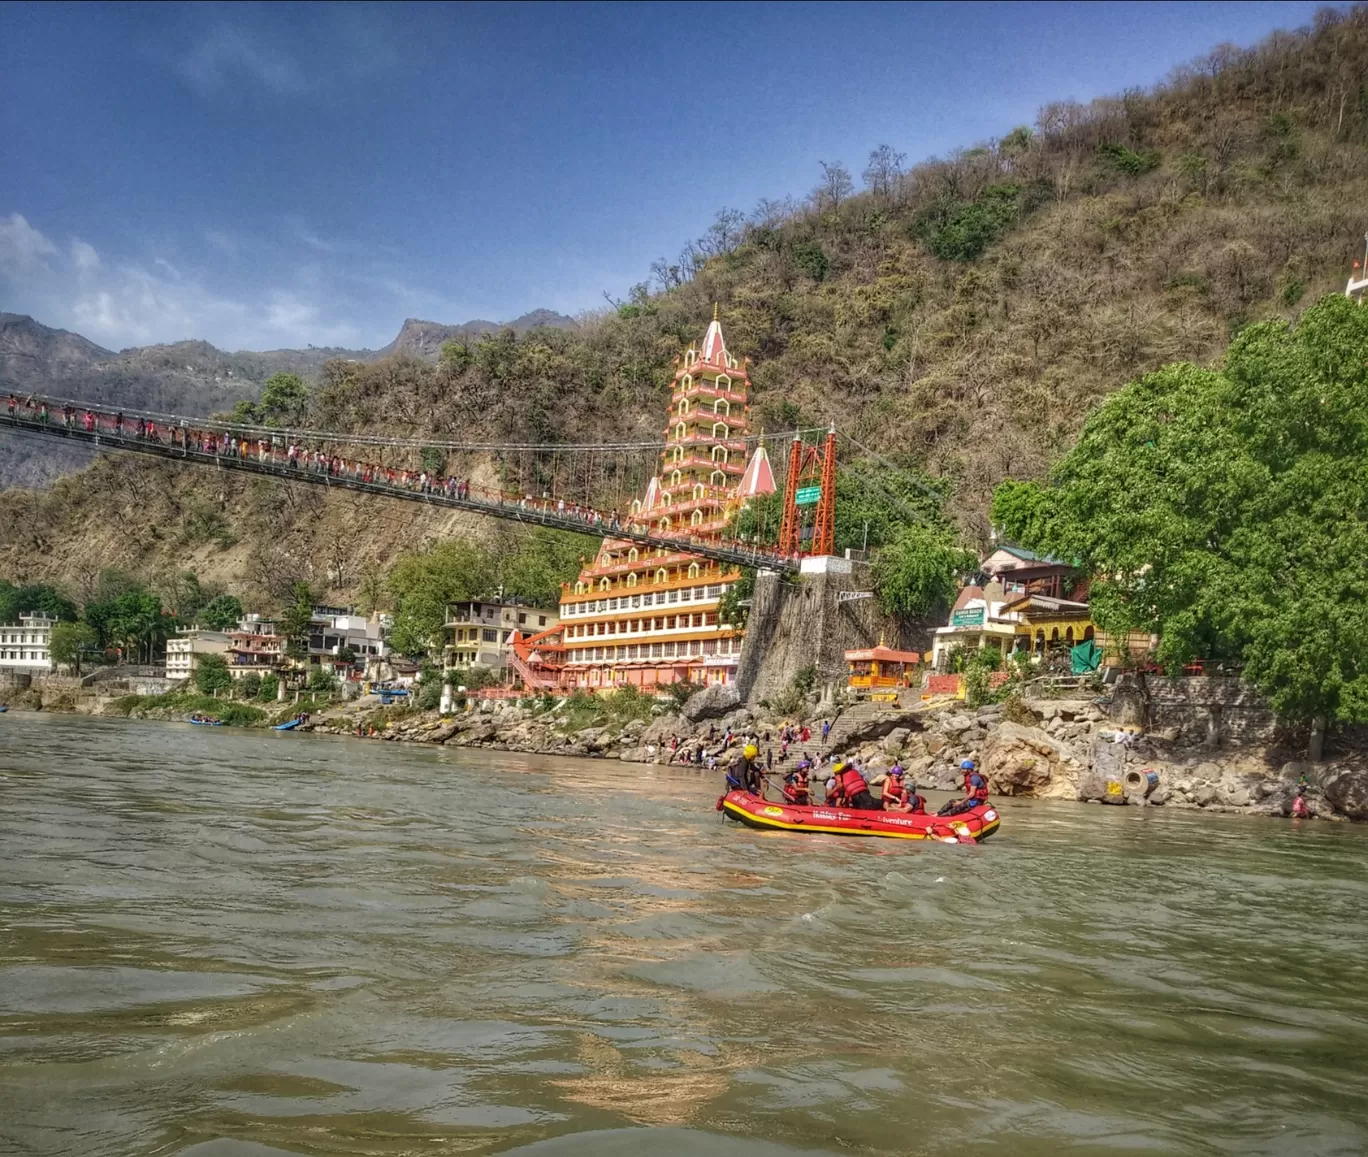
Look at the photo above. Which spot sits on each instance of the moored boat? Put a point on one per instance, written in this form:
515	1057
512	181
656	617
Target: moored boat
970	827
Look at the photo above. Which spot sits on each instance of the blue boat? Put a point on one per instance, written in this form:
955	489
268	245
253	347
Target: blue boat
288	725
207	722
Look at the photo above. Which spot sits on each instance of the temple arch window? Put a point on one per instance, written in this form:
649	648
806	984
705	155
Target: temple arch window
605	584
683	406
696	518
722	406
666	498
719	453
633	555
662	575
723	382
632	580
680	430
676	478
699	490
693	570
679	453
717	478
664	524
719	429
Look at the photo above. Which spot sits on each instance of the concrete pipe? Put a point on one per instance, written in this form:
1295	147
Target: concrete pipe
1140	783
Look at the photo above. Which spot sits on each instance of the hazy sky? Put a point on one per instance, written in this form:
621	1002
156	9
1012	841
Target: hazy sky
276	175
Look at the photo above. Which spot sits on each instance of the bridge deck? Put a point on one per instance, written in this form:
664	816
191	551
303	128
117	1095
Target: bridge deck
493	506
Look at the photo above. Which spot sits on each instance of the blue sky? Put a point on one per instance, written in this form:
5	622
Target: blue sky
270	176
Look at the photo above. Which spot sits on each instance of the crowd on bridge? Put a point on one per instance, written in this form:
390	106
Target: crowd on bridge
287	454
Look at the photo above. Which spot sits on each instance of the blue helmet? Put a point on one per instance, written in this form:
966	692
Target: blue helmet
967	765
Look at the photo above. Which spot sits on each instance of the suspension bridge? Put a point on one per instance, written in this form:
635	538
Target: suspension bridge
293	456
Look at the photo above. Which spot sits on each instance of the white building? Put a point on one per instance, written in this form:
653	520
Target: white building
26	646
335	629
481	631
183	651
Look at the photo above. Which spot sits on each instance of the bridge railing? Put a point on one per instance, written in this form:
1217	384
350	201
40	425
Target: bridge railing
274	457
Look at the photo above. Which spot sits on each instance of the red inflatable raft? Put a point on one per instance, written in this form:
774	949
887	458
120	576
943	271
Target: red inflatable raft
969	827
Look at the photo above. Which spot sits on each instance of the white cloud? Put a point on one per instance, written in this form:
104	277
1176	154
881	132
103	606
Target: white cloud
226	58
83	256
23	249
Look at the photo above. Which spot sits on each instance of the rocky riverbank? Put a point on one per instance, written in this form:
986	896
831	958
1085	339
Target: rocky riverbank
1061	749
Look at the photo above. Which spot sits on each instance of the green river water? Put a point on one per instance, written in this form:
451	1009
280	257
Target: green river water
225	944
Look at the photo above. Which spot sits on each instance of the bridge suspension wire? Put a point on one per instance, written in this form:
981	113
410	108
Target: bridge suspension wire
303	434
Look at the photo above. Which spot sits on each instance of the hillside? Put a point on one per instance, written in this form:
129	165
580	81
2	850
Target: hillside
188	377
964	314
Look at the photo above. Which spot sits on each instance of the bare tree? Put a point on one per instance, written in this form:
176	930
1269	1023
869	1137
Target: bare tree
884	172
836	185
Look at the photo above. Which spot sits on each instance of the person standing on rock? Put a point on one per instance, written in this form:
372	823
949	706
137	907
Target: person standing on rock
826	729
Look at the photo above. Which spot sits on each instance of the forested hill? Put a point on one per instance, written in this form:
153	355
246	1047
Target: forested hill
970	310
964	313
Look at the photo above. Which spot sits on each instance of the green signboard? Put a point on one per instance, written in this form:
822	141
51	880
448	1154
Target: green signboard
807	495
973	618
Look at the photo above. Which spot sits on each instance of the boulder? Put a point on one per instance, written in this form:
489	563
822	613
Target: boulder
1347	793
711	703
1023	761
1204	794
661	729
954	724
443	733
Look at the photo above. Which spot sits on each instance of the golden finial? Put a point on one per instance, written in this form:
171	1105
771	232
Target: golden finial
714	311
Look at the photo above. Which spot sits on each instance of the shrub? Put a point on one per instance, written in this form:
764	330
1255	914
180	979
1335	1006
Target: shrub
809	258
269	689
250	686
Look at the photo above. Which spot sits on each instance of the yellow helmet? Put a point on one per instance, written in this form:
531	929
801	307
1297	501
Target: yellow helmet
838	767
750	751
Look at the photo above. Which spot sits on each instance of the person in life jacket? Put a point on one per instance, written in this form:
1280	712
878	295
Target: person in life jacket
900	794
850	789
975	791
797	786
744	772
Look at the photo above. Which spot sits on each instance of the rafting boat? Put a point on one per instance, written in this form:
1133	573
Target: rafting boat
207	722
970	827
288	725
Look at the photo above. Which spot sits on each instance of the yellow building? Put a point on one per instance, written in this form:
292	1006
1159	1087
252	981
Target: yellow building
648	616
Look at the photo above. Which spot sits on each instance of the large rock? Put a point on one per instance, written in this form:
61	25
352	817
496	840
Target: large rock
1024	761
1348	794
711	703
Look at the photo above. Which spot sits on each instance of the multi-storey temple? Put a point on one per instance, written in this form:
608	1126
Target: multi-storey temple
650	616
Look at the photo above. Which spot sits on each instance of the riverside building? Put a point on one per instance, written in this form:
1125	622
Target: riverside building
648	617
26	646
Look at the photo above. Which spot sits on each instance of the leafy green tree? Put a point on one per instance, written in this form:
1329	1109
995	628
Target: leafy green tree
1227	510
734	606
284	398
424	583
211	674
70	641
221	613
538	562
133	621
321	683
23	600
919	570
269	689
295	621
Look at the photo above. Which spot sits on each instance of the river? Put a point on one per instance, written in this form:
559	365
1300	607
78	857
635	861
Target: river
217	943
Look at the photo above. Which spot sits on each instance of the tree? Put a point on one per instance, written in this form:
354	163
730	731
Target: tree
919	570
133	621
211	674
17	600
1227	511
69	641
284	398
296	619
836	185
221	613
884	171
425	582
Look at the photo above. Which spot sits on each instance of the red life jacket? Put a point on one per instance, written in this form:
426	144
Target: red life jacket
894	791
978	794
850	783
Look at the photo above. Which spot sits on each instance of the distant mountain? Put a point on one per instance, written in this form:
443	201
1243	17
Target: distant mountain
423	339
186	377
